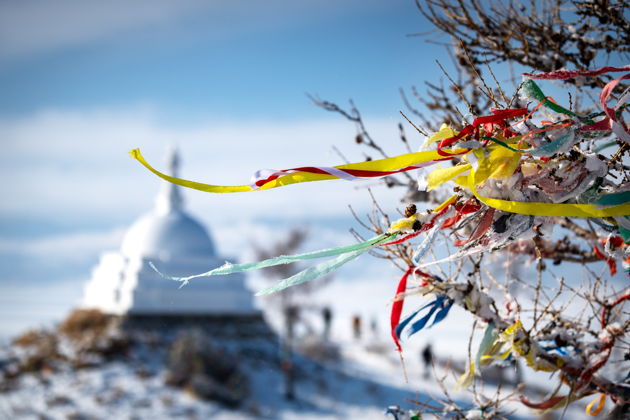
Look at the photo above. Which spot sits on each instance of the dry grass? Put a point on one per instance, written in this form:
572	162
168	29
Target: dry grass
85	321
84	338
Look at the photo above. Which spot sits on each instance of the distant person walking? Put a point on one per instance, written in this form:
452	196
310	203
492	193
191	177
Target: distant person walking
427	359
291	315
327	316
356	327
374	327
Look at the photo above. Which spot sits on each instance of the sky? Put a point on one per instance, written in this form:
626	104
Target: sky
83	82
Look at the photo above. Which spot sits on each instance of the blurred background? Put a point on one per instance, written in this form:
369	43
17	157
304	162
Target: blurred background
227	84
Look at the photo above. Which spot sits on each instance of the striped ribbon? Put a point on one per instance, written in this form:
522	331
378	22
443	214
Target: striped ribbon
267	179
265	176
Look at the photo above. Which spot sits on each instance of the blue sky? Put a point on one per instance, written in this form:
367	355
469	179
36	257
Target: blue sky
215	60
83	82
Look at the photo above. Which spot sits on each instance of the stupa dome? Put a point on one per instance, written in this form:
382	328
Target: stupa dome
174	234
168	231
125	283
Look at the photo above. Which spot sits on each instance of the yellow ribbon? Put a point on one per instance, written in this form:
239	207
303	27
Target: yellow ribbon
445	203
439	176
547	209
445	132
403	225
381	165
467	377
523	347
601	400
499	163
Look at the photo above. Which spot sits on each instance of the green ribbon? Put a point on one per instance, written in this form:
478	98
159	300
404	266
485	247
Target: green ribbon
488	338
314	272
614	199
531	89
501	143
229	268
625	234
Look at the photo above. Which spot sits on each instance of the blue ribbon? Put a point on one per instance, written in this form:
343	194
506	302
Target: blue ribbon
443	303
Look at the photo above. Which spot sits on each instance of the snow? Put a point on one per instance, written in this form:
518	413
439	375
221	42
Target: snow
135	388
366	379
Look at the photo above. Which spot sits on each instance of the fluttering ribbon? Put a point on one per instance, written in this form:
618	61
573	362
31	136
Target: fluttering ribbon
361	170
601	400
405	228
548	209
344	254
567	74
474	367
498	118
489	337
531	90
397	306
440	307
610	122
314	272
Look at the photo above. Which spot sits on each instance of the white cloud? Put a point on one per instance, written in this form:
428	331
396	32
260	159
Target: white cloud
35	26
72	247
32	27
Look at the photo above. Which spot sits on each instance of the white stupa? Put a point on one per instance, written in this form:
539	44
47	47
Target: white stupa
123	283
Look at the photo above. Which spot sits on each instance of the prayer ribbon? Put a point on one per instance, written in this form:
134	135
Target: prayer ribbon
548	209
397	306
487	342
314	272
489	336
610	122
601	400
229	268
369	169
532	90
498	118
443	303
526	348
567	74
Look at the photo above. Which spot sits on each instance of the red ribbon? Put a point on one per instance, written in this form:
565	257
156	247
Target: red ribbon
397	306
612	264
364	173
480	230
470	206
403	239
498	118
567	74
544	405
607	123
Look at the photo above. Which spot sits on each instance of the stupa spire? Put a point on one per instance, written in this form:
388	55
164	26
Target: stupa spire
170	198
